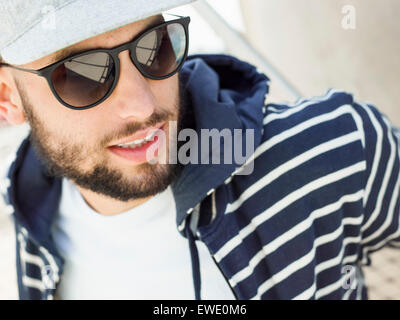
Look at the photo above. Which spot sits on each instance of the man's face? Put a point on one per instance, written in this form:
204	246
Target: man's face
76	143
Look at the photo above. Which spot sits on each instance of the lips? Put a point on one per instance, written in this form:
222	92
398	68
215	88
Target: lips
142	134
140	154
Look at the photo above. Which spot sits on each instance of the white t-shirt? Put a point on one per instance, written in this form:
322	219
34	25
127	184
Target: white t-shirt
138	254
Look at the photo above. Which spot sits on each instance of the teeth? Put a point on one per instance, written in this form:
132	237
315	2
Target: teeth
138	143
151	136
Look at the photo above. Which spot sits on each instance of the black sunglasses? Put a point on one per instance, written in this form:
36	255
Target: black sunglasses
85	80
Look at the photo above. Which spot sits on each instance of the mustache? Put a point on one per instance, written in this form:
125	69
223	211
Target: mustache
131	128
160	115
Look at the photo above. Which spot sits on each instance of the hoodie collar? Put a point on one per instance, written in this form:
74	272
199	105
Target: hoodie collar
223	92
34	195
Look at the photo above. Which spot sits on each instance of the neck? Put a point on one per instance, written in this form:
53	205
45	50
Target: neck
108	206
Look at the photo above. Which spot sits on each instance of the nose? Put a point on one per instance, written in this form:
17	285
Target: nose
132	97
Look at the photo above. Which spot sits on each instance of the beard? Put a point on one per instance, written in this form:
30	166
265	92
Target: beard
64	159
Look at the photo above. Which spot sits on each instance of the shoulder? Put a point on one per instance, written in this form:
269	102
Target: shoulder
308	144
12	139
332	118
310	122
288	114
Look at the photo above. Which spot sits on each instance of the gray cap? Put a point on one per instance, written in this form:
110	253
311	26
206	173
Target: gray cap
30	30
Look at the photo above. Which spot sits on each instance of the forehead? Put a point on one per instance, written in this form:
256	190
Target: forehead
106	40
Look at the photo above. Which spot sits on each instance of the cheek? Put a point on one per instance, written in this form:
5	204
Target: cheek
67	125
84	127
45	103
167	92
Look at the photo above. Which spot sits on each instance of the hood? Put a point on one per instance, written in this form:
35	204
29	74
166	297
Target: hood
223	92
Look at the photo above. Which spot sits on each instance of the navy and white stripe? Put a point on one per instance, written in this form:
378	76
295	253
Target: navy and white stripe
323	195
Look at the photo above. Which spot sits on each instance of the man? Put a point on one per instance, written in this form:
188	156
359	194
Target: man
99	215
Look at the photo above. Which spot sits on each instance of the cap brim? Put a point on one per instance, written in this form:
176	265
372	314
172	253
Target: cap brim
78	21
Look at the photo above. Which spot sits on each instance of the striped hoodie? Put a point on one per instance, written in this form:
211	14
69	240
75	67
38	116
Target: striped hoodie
323	193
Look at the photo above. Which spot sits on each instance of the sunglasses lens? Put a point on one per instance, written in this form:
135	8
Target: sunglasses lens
161	51
84	80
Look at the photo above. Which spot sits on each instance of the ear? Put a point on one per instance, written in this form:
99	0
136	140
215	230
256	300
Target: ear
11	108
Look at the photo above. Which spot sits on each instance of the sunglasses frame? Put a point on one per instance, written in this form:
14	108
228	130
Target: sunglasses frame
47	71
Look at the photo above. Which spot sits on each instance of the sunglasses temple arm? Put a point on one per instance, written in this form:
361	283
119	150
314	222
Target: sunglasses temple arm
21	69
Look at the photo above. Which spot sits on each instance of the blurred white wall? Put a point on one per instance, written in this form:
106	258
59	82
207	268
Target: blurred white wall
306	41
203	39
